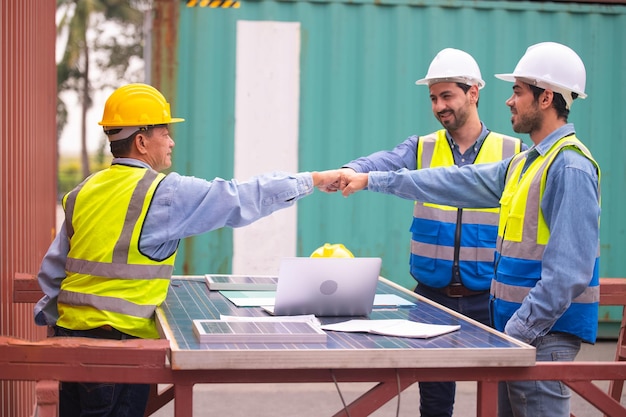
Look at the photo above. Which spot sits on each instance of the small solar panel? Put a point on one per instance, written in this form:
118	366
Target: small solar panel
241	282
220	331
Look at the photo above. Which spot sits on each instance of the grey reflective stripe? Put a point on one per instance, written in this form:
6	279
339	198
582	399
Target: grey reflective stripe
517	294
531	252
116	305
422	211
428	149
120	271
509	146
518	159
70	204
120	252
590	295
446	253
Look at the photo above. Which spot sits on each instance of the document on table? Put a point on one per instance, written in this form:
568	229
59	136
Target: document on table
400	327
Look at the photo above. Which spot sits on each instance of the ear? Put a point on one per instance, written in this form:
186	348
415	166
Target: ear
140	143
474	94
546	98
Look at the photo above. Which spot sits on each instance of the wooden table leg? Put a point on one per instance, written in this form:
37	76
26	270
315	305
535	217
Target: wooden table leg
183	400
487	399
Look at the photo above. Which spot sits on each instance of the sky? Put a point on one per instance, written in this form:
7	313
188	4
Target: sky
69	142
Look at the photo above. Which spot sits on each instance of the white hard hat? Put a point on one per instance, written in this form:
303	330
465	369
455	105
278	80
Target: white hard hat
453	65
551	66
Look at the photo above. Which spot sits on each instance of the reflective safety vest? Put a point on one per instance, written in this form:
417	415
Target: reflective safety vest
109	281
451	244
522	238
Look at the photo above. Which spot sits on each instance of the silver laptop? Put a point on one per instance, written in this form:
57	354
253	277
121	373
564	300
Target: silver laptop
326	286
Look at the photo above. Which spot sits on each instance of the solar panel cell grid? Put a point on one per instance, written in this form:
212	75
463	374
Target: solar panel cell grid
190	299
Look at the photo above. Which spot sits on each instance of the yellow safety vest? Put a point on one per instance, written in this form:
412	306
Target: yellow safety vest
522	238
109	281
447	241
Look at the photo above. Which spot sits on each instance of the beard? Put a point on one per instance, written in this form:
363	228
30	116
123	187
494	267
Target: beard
529	121
456	121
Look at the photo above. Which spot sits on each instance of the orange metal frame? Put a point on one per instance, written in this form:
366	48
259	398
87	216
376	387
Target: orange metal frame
144	361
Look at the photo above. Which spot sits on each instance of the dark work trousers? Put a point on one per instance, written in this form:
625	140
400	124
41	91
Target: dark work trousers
101	399
437	398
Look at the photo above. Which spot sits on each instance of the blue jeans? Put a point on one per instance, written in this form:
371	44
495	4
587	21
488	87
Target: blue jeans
541	398
437	398
101	399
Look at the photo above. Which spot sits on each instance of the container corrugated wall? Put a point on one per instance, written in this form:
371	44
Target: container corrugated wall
359	61
358	64
28	166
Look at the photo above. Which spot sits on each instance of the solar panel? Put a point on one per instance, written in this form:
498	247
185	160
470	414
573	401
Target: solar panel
241	282
220	331
189	299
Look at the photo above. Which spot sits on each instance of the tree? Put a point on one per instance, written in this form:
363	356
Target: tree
106	33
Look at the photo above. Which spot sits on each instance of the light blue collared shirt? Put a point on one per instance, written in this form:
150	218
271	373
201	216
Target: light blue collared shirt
570	206
182	206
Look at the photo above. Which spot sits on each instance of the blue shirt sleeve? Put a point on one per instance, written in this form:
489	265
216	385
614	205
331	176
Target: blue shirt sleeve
404	155
186	206
51	274
475	186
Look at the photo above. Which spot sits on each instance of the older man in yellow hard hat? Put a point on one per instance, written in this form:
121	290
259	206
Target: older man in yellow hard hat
110	265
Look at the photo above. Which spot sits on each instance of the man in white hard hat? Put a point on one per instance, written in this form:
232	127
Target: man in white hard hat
546	287
452	250
110	265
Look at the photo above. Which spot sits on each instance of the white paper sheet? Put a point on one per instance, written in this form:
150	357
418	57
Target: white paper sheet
400	327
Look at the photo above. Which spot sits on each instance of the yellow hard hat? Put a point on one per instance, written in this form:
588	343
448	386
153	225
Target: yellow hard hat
136	105
336	250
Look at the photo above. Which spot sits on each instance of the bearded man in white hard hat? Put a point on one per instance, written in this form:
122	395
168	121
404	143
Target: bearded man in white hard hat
551	301
545	290
452	250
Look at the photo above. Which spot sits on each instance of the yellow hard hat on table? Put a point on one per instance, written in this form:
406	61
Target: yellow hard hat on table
335	250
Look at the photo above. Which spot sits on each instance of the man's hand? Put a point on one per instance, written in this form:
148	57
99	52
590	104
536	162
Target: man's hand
344	179
331	187
327	181
351	182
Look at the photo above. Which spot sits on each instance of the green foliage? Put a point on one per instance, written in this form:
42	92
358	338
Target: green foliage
102	37
70	172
